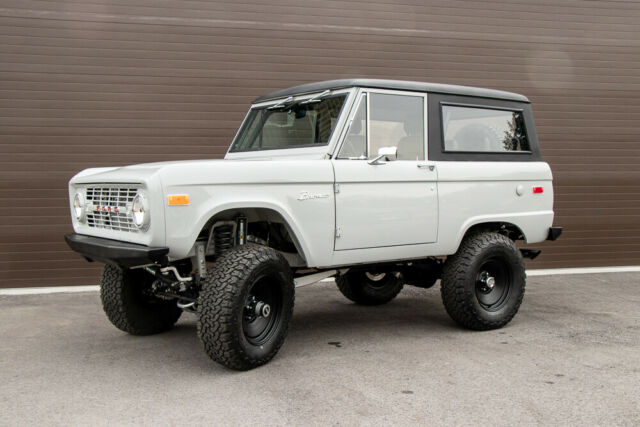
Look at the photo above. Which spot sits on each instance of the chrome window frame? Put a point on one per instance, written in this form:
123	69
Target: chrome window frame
368	91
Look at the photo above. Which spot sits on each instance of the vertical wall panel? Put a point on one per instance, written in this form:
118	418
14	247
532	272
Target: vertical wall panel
95	83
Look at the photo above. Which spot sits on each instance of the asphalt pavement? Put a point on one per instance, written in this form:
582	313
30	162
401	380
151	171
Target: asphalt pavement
570	357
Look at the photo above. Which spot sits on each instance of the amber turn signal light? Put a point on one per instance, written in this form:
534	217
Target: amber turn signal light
178	199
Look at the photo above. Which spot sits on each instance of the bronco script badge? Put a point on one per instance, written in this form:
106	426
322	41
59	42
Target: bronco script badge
305	195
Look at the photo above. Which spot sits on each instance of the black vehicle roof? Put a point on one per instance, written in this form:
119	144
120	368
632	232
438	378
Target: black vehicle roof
393	85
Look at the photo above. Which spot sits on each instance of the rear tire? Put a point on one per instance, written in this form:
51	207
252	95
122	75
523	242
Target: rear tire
369	289
130	307
483	283
233	326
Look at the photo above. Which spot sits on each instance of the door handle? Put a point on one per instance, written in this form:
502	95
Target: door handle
427	166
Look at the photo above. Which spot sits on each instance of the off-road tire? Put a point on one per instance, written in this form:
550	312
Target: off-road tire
461	287
359	288
222	302
128	307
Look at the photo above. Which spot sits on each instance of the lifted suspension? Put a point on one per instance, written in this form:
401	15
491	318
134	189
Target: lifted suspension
182	289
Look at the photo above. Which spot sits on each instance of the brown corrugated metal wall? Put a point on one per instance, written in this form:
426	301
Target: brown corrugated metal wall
88	83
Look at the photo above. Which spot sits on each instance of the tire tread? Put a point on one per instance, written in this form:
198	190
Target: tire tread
458	299
125	313
220	301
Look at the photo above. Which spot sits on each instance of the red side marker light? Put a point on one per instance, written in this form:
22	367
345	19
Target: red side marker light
538	190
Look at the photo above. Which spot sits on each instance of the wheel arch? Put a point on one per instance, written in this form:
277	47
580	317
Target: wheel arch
256	212
507	228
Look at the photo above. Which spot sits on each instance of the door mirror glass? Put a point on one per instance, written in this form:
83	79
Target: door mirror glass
389	153
385	154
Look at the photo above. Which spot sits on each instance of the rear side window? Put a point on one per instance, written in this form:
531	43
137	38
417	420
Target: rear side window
483	130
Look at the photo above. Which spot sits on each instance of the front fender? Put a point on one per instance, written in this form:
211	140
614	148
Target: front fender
310	220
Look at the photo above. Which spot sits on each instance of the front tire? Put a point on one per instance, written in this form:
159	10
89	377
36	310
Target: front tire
130	307
244	307
483	283
366	288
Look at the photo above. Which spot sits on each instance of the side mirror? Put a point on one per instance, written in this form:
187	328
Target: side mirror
388	154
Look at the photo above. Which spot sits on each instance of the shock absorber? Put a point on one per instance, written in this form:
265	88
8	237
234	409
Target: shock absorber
242	230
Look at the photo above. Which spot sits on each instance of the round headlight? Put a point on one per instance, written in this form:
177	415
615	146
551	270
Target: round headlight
140	211
78	206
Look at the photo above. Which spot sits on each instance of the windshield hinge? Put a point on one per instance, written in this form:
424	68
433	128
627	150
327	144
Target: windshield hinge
336	188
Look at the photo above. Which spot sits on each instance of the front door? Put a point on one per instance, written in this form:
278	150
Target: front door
395	202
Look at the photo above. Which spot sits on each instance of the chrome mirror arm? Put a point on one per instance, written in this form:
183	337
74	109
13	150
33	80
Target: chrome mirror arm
377	160
386	153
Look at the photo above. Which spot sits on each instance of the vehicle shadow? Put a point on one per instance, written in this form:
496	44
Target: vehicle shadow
321	318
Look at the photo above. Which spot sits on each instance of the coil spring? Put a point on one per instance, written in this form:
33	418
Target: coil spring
223	238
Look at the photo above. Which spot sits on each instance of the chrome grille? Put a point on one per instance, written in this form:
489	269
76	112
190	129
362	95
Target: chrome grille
109	207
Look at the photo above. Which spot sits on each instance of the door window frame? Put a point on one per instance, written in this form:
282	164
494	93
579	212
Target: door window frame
354	110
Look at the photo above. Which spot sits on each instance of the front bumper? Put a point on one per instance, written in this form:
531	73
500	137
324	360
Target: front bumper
116	252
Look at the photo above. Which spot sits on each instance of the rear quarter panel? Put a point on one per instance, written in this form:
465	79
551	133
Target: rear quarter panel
471	193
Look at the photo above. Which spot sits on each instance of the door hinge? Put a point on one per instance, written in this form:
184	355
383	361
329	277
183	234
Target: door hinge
336	188
338	232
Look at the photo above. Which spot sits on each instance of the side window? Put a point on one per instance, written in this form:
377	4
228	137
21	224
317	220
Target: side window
473	129
355	144
397	121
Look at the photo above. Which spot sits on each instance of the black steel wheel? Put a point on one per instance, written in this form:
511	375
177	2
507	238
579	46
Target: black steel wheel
245	305
483	283
493	283
370	288
262	311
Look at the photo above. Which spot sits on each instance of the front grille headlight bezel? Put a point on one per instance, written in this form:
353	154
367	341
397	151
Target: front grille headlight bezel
79	207
108	207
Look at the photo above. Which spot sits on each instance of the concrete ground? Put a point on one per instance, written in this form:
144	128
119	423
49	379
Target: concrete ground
571	356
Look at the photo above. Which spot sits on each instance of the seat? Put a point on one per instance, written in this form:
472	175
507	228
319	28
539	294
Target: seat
411	146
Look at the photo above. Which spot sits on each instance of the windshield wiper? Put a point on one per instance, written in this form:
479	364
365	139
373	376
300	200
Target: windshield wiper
282	104
288	102
316	98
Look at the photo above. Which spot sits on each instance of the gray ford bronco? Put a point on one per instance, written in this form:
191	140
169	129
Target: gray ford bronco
377	183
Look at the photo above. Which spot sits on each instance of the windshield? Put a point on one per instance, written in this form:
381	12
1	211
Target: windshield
302	123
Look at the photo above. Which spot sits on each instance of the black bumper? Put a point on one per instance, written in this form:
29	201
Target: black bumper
554	233
115	252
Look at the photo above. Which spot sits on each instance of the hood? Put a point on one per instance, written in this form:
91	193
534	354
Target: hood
132	173
204	172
